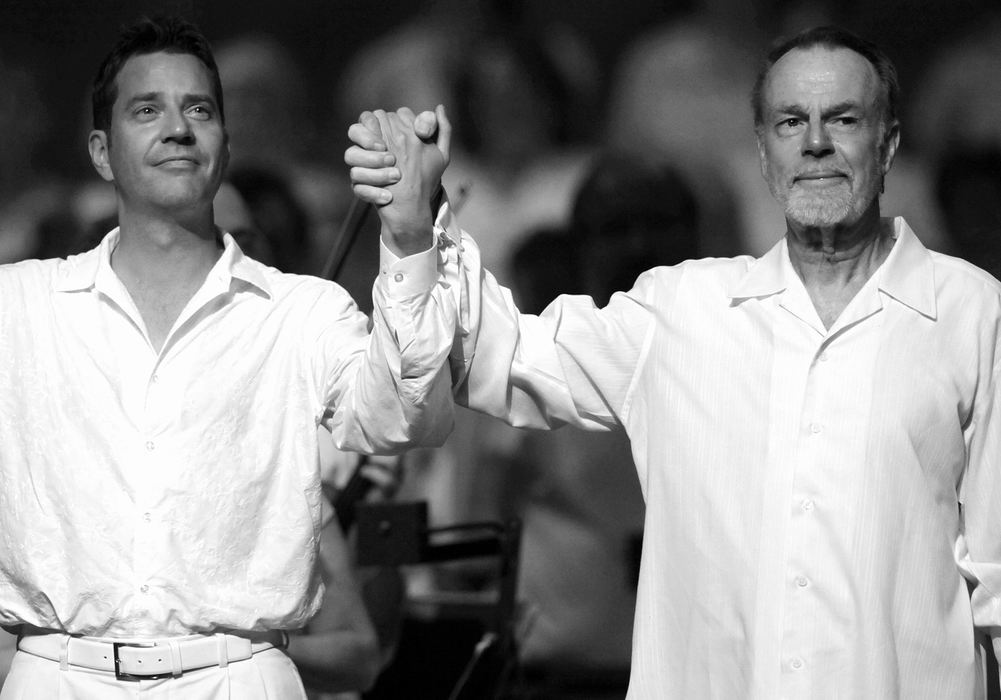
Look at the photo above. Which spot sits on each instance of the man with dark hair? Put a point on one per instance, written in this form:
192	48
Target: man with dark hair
159	403
816	431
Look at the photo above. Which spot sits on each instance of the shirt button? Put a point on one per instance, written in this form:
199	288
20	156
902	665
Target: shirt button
144	588
806	505
823	357
796	664
398	277
802	581
150	446
156	378
147	517
815	428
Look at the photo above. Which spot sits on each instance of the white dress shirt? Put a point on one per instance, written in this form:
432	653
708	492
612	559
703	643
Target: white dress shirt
151	494
803	534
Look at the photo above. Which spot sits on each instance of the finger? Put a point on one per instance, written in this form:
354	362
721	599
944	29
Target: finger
374	195
368	120
406	116
362	135
385	126
358	157
425	125
444	132
377	177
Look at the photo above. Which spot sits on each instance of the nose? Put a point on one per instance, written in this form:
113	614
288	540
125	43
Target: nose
177	128
816	140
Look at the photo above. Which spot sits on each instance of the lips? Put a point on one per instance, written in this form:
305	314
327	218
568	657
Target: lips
820	175
178	159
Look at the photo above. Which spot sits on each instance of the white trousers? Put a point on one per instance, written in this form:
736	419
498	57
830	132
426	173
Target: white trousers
267	675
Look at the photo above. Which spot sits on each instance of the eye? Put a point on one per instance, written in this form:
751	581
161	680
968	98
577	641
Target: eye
845	120
200	111
144	111
789	125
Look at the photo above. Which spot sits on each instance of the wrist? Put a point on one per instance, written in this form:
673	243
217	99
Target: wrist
415	239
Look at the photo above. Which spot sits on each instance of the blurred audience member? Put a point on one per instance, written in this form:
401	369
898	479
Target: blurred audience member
515	151
298	199
407	66
26	195
968	188
269	118
957	102
278	215
681	91
632	214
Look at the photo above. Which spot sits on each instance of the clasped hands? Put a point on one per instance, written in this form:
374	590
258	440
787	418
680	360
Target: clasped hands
396	162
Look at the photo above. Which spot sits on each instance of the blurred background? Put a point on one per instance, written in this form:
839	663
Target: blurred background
593	140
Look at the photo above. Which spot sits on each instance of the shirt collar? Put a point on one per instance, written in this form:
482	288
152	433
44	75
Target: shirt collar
906	275
87	270
765	276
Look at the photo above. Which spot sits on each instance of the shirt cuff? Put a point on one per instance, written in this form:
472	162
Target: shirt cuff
409	276
417	273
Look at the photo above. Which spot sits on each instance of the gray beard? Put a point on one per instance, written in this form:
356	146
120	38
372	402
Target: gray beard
817	210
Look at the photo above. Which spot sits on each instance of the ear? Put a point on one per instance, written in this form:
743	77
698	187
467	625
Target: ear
891	139
762	158
97	144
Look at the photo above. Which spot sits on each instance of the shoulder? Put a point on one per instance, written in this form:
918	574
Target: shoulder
970	295
306	294
955	271
35	274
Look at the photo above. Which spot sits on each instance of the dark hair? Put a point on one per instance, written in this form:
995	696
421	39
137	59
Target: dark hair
146	36
833	38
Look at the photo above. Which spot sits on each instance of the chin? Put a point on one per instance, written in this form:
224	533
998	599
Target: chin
816	212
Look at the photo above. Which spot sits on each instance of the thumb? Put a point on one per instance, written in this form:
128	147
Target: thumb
425	125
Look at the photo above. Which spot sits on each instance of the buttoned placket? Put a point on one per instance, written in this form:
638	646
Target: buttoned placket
815	451
160	405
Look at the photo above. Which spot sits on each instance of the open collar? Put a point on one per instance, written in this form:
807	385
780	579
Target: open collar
907	275
92	269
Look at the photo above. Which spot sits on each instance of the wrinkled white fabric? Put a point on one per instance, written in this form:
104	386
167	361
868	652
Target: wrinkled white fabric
148	495
803	535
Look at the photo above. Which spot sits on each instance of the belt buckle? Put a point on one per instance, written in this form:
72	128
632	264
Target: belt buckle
119	675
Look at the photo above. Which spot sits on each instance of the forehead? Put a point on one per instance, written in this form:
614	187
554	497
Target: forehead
820	75
165	73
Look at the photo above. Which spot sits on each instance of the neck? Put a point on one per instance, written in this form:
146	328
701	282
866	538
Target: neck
839	255
834	263
164	253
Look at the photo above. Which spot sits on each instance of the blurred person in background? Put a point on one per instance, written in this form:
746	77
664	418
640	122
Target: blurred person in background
968	188
26	195
298	200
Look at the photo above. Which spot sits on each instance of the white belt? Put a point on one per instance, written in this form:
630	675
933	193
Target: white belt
145	660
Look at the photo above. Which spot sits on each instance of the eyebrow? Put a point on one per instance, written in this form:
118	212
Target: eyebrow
800	111
188	98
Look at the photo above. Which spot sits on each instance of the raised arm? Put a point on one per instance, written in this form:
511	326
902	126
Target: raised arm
397	167
573	364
